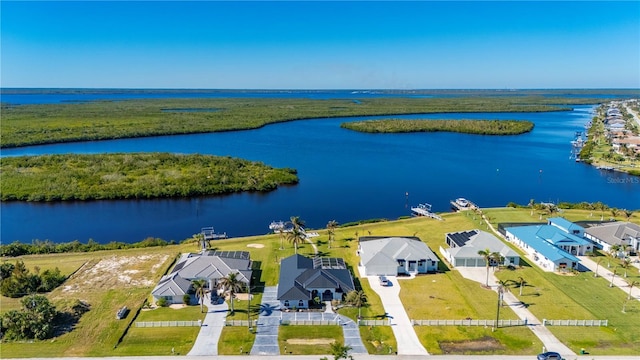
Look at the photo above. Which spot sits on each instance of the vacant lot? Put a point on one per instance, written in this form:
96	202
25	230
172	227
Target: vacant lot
110	279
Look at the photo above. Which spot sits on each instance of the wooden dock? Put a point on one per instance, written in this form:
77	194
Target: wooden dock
424	210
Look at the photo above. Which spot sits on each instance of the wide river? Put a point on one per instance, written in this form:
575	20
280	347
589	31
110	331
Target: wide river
344	176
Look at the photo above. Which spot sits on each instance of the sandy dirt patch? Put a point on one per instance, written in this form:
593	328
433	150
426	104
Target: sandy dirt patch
309	341
462	347
117	272
177	306
243	296
257	246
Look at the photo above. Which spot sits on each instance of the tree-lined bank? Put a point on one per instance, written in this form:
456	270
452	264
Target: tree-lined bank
130	176
480	127
55	123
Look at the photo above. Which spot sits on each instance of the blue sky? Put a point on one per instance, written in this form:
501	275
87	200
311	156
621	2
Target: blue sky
320	45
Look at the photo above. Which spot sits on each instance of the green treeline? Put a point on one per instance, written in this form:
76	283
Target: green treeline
482	127
54	123
17	281
37	247
137	175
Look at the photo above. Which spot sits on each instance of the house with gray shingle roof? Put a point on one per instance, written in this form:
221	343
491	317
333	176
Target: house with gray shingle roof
391	256
303	279
464	247
209	265
625	234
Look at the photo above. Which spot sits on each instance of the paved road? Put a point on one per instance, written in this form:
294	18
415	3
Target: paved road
356	357
207	340
633	113
406	338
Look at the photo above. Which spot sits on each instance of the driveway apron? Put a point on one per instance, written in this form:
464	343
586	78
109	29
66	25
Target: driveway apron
207	340
551	343
408	342
266	342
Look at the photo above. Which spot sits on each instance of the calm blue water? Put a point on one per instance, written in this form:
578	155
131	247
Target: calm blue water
344	175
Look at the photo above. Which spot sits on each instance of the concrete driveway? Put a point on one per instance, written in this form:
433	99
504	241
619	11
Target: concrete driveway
207	340
551	343
408	342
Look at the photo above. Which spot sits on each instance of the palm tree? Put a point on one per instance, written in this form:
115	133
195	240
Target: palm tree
331	229
503	287
296	236
486	254
200	287
521	283
632	283
625	264
628	214
231	285
614	212
597	265
531	203
613	276
339	350
358	299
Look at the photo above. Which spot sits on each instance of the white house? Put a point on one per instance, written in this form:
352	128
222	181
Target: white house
624	234
465	245
393	256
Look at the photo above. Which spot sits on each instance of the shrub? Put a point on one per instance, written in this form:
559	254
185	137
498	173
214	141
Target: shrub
162	302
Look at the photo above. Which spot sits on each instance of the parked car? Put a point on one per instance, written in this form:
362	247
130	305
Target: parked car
549	355
384	281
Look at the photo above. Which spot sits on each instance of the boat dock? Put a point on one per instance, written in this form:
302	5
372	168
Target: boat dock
462	204
424	210
208	233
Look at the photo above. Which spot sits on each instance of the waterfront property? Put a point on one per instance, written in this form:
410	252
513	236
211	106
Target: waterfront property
552	246
303	280
208	265
465	245
624	234
393	256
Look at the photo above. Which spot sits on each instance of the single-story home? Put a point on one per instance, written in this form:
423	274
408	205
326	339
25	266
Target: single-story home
393	256
303	279
625	234
208	265
465	245
553	246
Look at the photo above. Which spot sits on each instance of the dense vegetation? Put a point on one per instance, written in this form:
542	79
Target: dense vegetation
17	248
126	176
53	123
17	280
481	127
35	321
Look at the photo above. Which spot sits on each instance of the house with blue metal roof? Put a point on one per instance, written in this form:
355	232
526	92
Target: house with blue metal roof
553	246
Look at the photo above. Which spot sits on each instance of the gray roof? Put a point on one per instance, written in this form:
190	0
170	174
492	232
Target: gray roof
480	240
384	250
171	285
616	233
299	274
198	266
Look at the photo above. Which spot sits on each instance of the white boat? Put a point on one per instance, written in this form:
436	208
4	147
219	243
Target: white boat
460	204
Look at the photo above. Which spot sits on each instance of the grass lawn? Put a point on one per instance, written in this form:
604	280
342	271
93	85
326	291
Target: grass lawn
112	279
308	340
477	340
235	340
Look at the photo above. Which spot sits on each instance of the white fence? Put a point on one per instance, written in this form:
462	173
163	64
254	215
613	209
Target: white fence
148	324
501	323
310	322
244	323
546	322
386	322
